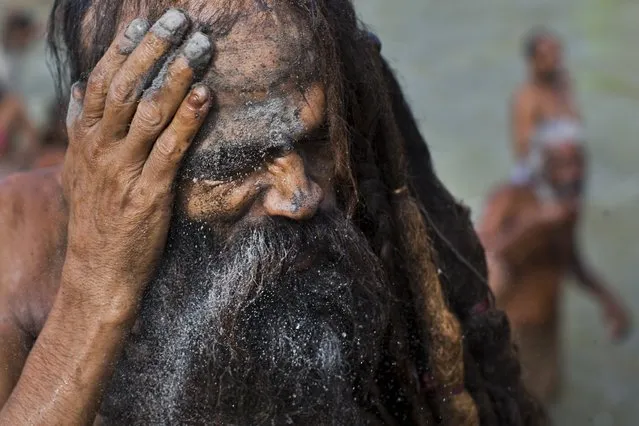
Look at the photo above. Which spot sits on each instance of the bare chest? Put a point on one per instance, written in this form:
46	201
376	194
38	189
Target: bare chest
554	104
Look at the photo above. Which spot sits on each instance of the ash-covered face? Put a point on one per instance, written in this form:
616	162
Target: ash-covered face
264	150
269	306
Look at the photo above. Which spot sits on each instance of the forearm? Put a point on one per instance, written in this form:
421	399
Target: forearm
595	286
69	365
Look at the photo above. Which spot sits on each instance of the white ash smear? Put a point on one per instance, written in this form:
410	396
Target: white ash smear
274	120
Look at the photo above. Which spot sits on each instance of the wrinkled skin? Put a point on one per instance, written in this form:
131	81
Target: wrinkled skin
93	232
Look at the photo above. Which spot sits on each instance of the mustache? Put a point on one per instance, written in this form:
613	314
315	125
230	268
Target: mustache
228	272
277	242
260	254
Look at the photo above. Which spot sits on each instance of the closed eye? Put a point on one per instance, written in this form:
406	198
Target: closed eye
233	161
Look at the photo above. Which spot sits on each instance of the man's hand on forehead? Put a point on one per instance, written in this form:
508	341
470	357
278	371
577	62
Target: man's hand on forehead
126	146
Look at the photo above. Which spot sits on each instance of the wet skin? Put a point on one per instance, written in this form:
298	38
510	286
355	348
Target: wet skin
531	245
531	242
547	94
92	231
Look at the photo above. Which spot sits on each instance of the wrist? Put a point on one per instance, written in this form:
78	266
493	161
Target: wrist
97	296
87	309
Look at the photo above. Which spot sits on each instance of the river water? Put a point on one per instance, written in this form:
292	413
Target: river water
459	62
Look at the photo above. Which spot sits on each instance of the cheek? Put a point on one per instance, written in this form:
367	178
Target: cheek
230	203
222	203
322	172
319	164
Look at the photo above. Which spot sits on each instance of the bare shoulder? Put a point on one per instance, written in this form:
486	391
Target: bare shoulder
504	200
506	192
33	228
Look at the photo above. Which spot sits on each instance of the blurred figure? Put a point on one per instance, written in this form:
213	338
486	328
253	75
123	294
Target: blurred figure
18	136
54	138
528	229
545	95
19	30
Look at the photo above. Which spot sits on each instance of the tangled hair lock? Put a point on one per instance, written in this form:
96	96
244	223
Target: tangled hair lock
449	354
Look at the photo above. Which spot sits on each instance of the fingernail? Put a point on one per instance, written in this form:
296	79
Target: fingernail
77	90
197	50
171	25
199	95
75	102
133	35
136	30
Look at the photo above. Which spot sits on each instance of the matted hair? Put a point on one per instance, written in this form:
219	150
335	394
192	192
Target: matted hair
449	356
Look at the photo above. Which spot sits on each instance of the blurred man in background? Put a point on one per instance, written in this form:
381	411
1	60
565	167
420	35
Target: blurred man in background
19	30
53	142
18	136
546	95
529	232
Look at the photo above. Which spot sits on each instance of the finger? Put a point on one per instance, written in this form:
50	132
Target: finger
167	153
108	66
166	94
76	101
129	81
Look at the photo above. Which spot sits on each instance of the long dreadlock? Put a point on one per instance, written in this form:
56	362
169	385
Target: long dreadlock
449	357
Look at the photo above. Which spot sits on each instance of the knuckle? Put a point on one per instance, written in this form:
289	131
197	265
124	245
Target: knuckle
189	115
168	147
151	49
178	71
96	80
93	155
147	199
149	115
118	94
122	88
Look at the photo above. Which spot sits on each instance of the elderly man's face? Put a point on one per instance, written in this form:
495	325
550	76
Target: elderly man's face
264	151
269	306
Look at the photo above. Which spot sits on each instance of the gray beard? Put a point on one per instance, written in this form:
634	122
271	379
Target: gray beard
232	333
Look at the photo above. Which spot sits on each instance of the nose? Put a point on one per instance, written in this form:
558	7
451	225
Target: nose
291	194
